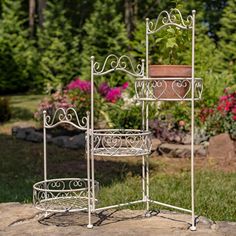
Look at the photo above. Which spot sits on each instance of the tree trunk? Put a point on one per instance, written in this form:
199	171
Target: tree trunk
41	7
131	12
32	6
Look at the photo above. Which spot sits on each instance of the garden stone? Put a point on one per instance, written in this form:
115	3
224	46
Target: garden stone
61	141
177	139
155	144
34	136
180	150
21	133
221	146
23	219
75	142
186	139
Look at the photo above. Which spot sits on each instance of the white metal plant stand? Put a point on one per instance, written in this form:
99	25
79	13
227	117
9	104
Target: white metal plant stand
112	142
76	194
64	194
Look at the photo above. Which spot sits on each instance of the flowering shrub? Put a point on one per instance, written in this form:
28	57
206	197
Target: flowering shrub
222	117
77	94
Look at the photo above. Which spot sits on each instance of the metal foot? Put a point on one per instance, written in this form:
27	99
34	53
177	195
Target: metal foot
152	213
148	214
193	228
89	226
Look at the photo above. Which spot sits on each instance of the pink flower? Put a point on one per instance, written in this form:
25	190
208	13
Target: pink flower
125	85
223	98
83	85
234	110
234	117
113	94
104	89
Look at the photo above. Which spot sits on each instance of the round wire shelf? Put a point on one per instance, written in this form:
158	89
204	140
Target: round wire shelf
61	195
121	142
167	89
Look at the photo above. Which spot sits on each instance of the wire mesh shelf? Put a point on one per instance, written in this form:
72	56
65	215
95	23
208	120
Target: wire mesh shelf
62	195
167	89
122	142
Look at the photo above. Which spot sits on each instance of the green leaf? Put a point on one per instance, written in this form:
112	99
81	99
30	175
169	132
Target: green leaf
171	43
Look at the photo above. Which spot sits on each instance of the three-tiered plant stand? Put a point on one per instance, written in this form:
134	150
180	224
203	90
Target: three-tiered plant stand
150	86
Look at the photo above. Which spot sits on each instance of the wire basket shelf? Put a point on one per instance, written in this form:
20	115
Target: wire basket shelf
122	142
167	89
62	195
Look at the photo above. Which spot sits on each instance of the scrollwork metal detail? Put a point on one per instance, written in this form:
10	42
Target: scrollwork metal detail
172	18
152	89
122	142
68	116
178	84
60	195
123	63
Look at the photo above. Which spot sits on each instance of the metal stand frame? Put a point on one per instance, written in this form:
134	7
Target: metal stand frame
61	195
65	194
111	142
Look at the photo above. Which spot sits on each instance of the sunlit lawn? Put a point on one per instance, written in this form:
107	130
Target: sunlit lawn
22	109
22	166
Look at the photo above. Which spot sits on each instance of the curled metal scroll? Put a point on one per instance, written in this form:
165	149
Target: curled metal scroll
150	89
178	84
198	88
60	195
172	18
122	142
123	63
68	116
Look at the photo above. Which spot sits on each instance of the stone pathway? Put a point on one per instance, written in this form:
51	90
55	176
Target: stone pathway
22	219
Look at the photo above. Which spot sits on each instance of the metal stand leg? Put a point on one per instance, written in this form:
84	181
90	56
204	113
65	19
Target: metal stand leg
193	227
143	178
90	225
147	184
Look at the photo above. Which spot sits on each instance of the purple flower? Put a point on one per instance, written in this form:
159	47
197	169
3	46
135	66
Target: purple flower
104	89
125	85
83	85
113	94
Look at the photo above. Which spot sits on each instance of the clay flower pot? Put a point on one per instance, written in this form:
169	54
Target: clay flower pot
169	88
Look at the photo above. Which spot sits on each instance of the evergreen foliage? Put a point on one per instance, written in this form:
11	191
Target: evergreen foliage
227	37
17	53
59	58
104	34
74	31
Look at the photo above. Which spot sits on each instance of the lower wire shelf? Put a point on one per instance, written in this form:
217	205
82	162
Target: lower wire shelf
121	142
62	195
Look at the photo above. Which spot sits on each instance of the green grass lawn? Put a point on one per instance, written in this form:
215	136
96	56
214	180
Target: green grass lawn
23	108
21	165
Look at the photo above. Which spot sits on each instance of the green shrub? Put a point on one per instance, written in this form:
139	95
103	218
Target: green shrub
5	111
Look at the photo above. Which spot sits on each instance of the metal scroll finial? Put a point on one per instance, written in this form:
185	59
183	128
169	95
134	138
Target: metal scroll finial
68	116
171	18
113	63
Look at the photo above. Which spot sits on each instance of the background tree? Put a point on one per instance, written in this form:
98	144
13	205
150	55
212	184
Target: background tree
104	34
227	37
17	53
59	59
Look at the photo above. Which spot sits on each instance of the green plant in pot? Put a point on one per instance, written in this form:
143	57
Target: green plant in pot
166	59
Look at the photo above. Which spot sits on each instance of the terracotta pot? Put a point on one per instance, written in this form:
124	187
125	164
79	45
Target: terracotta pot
169	89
